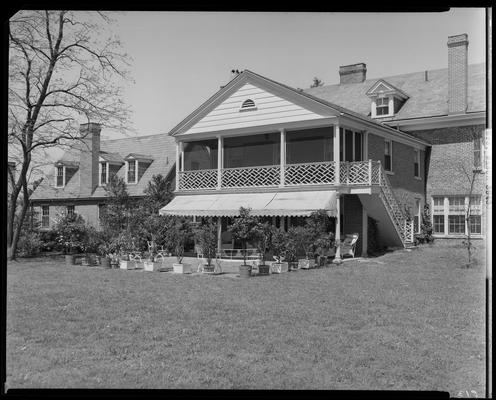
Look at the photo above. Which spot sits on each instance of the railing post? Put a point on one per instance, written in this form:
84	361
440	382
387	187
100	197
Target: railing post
220	156
282	158
336	146
370	172
177	165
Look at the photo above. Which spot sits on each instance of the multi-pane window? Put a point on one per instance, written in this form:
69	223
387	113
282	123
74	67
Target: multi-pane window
60	176
131	172
456	217
438	214
350	145
70	210
416	163
388	147
474	221
382	106
45	216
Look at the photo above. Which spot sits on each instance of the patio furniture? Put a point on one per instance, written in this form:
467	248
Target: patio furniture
347	246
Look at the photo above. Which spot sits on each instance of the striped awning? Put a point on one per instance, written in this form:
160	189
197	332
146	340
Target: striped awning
301	203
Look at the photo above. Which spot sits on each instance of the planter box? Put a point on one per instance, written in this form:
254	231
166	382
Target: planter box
305	263
263	269
123	264
208	269
278	268
139	265
181	268
245	271
105	262
151	266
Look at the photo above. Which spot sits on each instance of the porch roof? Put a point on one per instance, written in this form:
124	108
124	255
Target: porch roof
301	203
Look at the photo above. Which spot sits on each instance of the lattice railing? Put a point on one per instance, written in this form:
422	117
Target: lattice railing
198	179
251	176
359	173
309	173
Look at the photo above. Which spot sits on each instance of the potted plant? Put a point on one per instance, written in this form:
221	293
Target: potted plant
178	236
304	242
105	249
262	234
324	243
151	264
279	239
206	237
70	235
243	229
124	244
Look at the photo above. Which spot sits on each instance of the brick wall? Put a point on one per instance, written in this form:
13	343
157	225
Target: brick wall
403	160
449	135
352	219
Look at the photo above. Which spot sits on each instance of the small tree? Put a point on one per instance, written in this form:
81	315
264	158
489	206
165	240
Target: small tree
206	237
157	193
304	237
292	244
316	82
262	233
243	228
425	235
178	236
279	240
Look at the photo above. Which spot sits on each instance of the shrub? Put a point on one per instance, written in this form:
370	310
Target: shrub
72	233
279	242
244	228
178	235
262	234
29	243
425	235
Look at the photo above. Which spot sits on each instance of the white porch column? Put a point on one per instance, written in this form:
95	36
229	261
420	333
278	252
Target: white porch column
219	234
336	154
337	235
282	157
181	147
365	149
178	151
220	157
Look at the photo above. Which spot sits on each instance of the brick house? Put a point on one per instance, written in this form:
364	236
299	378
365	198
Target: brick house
77	184
447	109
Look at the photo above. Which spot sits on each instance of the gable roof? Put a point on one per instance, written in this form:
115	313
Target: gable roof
318	104
426	98
160	147
388	88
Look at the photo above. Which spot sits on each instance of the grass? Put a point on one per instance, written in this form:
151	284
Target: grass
402	321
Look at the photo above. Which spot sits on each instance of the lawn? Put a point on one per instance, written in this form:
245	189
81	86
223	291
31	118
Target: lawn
403	321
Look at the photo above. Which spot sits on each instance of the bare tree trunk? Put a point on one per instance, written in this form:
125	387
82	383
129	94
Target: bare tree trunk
16	228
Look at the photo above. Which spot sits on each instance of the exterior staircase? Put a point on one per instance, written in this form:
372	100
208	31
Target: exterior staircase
395	229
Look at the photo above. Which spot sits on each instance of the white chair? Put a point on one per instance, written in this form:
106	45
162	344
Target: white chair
347	246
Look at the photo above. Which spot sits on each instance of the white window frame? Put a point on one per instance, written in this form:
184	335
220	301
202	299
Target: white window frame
446	213
73	209
416	161
100	170
57	175
390	155
135	172
390	105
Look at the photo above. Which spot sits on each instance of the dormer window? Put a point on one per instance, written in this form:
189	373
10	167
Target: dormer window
248	105
132	167
60	178
136	166
386	99
382	106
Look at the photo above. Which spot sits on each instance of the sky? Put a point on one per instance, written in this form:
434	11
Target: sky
180	59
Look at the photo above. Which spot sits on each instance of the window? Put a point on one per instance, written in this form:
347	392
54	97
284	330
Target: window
358	146
477	153
475	224
103	173
131	171
248	104
416	164
438	225
382	106
60	176
45	216
456	217
388	150
70	211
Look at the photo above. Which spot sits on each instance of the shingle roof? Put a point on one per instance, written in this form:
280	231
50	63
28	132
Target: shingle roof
426	98
159	147
111	157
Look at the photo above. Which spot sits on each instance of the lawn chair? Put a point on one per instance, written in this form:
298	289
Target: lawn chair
347	246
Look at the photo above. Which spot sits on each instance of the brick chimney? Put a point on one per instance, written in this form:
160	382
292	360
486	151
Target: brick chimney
457	73
89	155
354	73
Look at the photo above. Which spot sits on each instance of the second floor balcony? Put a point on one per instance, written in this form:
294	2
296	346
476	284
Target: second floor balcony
285	159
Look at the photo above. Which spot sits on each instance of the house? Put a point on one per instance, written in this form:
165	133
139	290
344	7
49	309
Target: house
364	149
77	184
445	108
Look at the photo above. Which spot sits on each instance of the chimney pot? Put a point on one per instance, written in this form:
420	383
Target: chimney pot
354	73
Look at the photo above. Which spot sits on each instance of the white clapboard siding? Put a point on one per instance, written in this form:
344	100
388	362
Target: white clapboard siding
270	109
